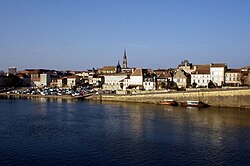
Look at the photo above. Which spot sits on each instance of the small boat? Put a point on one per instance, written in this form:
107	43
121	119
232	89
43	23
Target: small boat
195	104
170	102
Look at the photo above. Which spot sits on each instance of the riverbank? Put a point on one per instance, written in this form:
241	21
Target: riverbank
234	98
43	96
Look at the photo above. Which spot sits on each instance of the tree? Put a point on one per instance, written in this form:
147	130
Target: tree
14	81
162	85
1	72
171	85
211	84
194	85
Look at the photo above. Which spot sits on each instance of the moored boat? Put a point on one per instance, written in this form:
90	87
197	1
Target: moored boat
195	104
170	102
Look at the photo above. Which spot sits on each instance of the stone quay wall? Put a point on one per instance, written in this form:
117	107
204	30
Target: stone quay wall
239	98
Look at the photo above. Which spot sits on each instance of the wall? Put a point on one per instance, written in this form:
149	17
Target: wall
222	98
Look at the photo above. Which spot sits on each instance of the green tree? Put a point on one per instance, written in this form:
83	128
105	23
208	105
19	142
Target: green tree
194	85
163	85
14	81
211	84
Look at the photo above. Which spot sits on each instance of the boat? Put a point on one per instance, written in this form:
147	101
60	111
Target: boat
170	102
195	104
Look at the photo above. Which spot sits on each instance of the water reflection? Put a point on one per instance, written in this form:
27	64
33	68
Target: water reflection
109	133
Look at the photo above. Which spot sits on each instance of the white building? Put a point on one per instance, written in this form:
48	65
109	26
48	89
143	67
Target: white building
114	81
137	77
141	79
149	83
201	76
217	72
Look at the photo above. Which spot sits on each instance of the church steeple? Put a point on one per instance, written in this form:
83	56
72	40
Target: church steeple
124	63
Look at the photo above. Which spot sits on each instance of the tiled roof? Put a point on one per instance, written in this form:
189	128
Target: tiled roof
164	75
73	76
109	68
233	71
202	69
218	65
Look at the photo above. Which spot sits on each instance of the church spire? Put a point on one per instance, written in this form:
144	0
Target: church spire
124	64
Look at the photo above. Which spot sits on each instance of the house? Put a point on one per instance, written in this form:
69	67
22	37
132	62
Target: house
12	70
201	76
182	79
149	83
73	81
164	76
142	79
186	66
45	79
245	75
114	82
97	80
61	82
233	77
35	76
217	72
137	77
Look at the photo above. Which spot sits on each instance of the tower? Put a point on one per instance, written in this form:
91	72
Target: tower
124	63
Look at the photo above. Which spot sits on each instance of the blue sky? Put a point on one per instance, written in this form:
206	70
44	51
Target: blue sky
81	34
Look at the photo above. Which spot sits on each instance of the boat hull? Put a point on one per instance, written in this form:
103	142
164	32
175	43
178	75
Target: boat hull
170	103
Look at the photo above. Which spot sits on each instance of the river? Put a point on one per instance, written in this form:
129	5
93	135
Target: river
43	131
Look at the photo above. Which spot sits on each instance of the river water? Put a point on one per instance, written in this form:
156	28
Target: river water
66	132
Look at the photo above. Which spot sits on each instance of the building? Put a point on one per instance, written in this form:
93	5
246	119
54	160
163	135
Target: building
141	79
12	70
149	83
125	61
201	76
97	80
137	77
182	79
35	76
114	82
233	77
25	77
217	72
245	75
186	66
45	79
73	81
61	82
163	77
110	69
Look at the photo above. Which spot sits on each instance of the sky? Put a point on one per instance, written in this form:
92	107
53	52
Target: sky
82	34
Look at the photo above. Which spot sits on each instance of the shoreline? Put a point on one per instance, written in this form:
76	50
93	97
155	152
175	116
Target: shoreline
38	96
230	98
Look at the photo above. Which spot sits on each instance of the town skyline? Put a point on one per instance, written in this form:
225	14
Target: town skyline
80	35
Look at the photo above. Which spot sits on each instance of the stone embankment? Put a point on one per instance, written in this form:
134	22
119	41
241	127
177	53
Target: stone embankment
239	98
